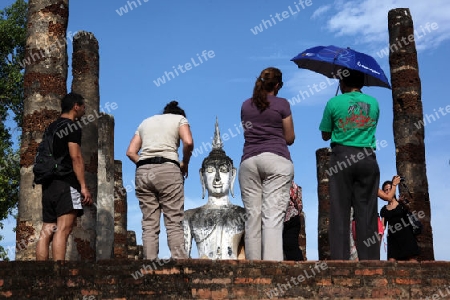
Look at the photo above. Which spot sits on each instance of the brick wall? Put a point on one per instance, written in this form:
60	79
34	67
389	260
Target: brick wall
236	279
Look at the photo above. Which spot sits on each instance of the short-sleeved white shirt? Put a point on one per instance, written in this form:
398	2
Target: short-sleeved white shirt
160	136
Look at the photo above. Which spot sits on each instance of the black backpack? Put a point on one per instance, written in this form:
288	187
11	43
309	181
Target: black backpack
46	166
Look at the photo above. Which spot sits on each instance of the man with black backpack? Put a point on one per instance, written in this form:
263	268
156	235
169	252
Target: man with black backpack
65	192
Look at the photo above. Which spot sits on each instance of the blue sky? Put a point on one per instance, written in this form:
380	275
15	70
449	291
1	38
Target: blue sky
223	46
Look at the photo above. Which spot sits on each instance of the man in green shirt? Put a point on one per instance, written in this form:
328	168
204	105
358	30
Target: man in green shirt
350	121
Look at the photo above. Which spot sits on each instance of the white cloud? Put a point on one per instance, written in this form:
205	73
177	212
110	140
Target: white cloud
305	87
368	21
367	18
320	11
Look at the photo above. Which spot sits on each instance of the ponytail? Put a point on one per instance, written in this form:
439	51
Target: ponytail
265	84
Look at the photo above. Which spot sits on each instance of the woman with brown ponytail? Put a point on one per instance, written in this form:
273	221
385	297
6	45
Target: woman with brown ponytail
266	170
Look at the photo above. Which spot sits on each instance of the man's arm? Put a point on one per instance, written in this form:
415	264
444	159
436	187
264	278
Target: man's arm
188	145
326	136
78	168
134	147
288	130
326	124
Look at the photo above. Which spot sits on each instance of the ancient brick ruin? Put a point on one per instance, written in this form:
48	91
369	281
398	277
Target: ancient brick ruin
101	233
408	139
103	255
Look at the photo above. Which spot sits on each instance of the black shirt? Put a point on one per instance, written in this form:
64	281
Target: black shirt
68	132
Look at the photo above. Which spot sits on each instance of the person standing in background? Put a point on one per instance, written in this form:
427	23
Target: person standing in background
292	225
160	177
386	195
350	122
266	170
63	197
401	242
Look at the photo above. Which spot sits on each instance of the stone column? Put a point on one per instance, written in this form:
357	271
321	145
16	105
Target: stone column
132	246
44	86
85	72
105	195
323	192
302	235
408	112
120	213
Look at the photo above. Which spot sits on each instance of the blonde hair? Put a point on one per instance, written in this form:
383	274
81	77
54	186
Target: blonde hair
264	84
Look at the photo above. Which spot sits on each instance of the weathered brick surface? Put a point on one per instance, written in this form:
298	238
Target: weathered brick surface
408	110
206	279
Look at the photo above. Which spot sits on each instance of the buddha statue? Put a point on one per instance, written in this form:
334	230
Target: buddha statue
218	226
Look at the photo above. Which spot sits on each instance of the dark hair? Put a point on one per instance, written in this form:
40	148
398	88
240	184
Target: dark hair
354	79
386	183
173	108
264	84
69	101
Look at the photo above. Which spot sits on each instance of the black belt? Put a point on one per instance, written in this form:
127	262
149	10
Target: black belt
332	145
156	160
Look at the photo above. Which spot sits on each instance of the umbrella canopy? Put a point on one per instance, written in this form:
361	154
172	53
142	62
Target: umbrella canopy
328	60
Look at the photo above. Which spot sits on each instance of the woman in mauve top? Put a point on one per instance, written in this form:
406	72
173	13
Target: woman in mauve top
266	169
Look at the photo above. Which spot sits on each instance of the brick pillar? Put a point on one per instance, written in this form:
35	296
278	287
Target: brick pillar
408	112
322	161
44	86
85	72
302	235
106	182
120	213
132	246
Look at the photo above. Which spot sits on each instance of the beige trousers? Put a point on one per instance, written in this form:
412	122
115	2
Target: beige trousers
159	188
265	181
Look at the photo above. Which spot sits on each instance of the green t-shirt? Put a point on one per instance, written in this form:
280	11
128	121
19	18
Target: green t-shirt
352	119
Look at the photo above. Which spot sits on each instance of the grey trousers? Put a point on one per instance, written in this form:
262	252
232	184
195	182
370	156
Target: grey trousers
159	187
354	183
265	181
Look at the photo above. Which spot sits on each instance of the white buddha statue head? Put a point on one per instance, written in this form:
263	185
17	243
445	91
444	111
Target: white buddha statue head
217	173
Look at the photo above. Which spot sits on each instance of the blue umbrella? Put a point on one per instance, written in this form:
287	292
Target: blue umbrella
329	60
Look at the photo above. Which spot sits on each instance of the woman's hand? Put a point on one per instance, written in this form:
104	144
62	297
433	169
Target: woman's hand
396	180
